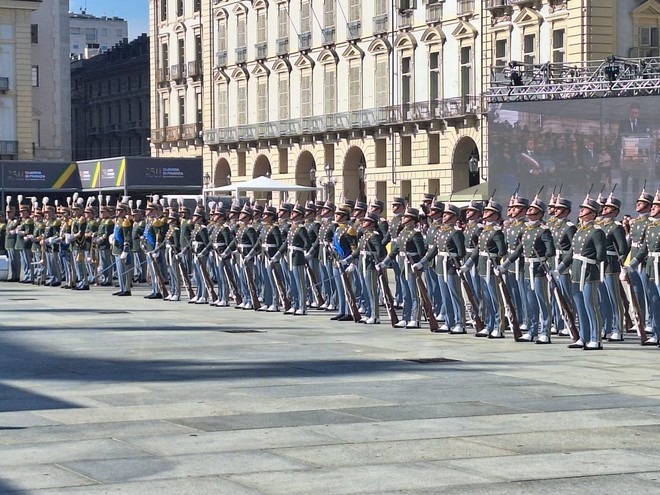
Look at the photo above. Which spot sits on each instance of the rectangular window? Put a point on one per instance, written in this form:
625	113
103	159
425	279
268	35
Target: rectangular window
222	36
165	55
91	35
197	5
648	36
501	55
354	84
329	89
529	49
406	190
558	45
262	100
381	7
34	33
435	84
181	43
354	10
35	76
163	10
199	108
240	32
382	81
282	21
305	19
179	8
74	30
406	80
283	95
120	32
306	92
182	109
466	70
104	32
329	13
261	26
198	47
221	117
241	102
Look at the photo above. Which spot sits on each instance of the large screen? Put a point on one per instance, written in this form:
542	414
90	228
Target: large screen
610	143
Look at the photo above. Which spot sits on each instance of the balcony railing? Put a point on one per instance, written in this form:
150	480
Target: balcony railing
353	30
261	50
191	131
241	54
4	84
282	46
465	7
178	72
157	135
404	19
380	24
305	41
328	35
173	133
195	68
9	148
163	75
221	58
433	13
364	119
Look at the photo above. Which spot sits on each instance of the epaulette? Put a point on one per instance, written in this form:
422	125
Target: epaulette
158	222
126	223
497	227
352	231
570	224
616	222
596	226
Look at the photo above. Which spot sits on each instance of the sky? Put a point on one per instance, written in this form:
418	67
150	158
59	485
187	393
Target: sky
136	12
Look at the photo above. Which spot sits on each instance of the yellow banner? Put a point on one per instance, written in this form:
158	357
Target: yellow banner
97	175
66	175
120	174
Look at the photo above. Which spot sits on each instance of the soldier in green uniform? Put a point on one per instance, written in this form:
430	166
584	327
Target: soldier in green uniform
172	249
51	236
186	226
324	240
219	240
587	261
78	229
139	258
270	241
513	231
563	231
90	248
105	230
199	241
313	226
636	237
36	238
154	233
10	243
648	255
23	243
472	231
121	248
3	234
65	239
298	244
398	207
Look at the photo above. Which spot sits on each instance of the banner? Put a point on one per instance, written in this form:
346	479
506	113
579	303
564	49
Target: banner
23	176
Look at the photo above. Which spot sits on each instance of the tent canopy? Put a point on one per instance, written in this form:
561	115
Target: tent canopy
478	193
262	183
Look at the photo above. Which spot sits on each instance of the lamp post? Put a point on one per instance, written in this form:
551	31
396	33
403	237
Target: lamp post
473	168
206	181
327	182
312	181
362	175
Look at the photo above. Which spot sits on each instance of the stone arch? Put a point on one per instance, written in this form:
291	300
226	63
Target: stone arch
304	164
354	185
405	40
261	168
222	173
465	148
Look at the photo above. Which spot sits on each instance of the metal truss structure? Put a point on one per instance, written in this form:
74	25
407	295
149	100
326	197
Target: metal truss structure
612	77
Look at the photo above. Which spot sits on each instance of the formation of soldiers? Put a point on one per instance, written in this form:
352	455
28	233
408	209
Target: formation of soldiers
527	270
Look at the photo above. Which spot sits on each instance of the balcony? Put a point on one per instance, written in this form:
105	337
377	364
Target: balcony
380	24
211	137
191	131
221	59
522	2
241	54
157	135
178	72
433	13
328	35
465	8
305	41
9	148
195	68
353	30
496	4
282	46
404	20
173	133
268	130
162	76
4	84
247	132
261	50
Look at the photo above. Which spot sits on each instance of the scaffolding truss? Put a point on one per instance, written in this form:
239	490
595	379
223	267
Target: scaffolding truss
612	77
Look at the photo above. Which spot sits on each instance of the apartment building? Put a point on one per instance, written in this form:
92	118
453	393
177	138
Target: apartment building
91	35
16	76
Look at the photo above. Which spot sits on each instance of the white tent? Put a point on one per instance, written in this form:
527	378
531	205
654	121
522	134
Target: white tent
259	184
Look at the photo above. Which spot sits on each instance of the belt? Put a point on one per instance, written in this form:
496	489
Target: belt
487	254
533	260
612	253
245	246
296	248
269	245
637	244
469	250
583	268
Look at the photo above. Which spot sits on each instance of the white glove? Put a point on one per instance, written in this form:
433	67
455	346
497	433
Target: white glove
248	258
351	268
112	238
123	255
216	245
276	257
500	270
555	274
418	267
68	238
625	273
381	266
308	255
464	269
344	262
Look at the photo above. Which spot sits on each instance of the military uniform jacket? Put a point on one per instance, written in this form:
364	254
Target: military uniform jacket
513	231
78	229
37	236
91	229
154	233
326	233
246	238
65	229
563	232
616	244
270	240
344	240
52	231
429	240
106	228
472	232
490	248
393	229
536	245
637	234
136	235
185	233
313	228
220	236
12	225
173	238
3	236
25	228
449	243
410	243
199	239
649	251
370	249
122	235
298	243
586	254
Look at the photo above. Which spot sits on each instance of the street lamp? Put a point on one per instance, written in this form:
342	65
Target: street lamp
207	180
328	181
362	175
312	180
473	168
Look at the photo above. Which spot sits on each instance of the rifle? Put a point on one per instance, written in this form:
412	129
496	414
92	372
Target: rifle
478	322
208	282
315	285
509	308
635	308
565	309
229	275
350	295
249	275
427	305
279	285
157	273
387	296
182	269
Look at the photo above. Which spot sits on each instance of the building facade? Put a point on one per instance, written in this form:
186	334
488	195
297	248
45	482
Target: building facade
364	99
110	102
16	76
91	35
51	82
